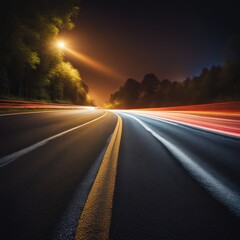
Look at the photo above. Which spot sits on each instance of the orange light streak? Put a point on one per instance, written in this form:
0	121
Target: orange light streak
219	117
227	123
94	64
14	104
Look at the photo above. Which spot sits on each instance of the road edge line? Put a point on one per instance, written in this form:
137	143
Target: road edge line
94	222
220	190
192	126
14	156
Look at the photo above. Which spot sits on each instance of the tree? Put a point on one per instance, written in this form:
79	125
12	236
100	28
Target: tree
131	93
233	48
127	96
29	58
149	84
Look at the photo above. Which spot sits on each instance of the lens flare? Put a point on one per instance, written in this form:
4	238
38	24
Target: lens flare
61	44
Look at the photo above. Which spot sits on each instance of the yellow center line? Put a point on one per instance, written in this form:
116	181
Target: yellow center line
95	219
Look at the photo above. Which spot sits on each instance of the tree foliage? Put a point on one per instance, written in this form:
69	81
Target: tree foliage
31	66
219	83
127	95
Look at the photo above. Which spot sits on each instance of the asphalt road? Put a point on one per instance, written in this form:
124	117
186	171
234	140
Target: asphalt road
158	195
173	182
36	189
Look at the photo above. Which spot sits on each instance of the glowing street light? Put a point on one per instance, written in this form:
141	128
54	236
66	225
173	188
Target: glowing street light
61	44
89	61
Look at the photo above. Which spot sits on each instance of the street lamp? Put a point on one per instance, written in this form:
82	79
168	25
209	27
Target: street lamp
61	44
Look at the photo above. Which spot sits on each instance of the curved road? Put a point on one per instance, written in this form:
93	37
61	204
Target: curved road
36	188
168	183
172	181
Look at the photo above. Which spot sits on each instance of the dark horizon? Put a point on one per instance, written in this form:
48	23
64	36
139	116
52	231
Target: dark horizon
171	40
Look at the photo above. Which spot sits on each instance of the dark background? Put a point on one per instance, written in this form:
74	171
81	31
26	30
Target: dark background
172	39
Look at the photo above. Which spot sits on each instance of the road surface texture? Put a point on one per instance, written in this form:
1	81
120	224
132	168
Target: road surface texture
91	174
159	197
36	188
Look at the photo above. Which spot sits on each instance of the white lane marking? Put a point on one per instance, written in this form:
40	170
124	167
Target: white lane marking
192	126
149	116
158	119
13	156
218	189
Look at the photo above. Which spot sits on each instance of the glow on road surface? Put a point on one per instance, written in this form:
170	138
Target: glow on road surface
222	125
220	117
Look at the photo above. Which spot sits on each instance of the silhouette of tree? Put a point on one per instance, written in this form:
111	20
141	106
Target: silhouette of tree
233	48
127	96
149	84
219	83
131	92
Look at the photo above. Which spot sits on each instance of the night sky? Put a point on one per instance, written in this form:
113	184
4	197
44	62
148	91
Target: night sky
172	39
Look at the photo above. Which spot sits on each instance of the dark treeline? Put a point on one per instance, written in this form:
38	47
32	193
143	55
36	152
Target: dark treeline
31	66
219	83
